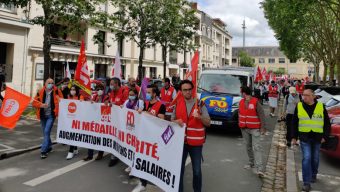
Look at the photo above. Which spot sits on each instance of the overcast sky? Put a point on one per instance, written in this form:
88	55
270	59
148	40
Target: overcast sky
232	12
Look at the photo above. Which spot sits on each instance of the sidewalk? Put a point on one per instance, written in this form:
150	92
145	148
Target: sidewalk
25	137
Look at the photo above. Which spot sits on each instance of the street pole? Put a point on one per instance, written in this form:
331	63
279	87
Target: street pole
244	33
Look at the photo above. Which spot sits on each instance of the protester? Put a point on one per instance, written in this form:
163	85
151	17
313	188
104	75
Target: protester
311	125
175	81
99	97
74	95
153	107
300	87
285	89
194	114
47	105
132	84
273	95
289	105
2	86
168	94
65	87
252	125
117	96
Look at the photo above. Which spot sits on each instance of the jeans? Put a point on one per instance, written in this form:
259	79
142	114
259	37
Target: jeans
91	151
195	153
46	125
289	119
310	160
254	148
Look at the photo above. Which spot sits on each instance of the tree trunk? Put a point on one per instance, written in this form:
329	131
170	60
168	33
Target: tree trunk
317	73
164	53
46	51
331	73
324	78
338	71
140	63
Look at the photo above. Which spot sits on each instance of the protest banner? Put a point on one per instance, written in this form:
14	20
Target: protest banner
151	146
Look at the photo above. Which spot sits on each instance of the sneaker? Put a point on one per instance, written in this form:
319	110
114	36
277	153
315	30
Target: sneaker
50	150
43	155
88	158
75	152
260	174
248	166
313	179
306	187
113	162
69	156
271	114
139	188
128	169
99	156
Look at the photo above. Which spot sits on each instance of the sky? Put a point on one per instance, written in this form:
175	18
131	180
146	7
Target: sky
233	12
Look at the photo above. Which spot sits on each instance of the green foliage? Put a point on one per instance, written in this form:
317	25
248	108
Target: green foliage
280	71
246	60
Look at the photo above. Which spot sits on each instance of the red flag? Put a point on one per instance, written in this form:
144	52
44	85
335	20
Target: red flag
82	77
192	73
12	107
259	76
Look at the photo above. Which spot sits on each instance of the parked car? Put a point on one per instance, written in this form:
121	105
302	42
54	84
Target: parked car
323	96
335	101
335	135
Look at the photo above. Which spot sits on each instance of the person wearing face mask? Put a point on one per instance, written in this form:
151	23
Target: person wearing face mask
153	107
252	125
100	97
117	96
47	105
290	102
168	94
273	97
132	84
64	87
74	95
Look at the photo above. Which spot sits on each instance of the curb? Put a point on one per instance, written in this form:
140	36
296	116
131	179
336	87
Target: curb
291	175
17	152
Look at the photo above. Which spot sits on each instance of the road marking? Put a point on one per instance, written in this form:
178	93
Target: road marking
320	175
6	147
188	161
11	172
56	173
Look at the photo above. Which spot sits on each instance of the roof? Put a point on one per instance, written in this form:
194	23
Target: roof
226	72
259	51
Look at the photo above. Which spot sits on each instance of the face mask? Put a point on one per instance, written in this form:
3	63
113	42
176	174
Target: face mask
112	87
148	97
49	86
132	98
73	92
100	92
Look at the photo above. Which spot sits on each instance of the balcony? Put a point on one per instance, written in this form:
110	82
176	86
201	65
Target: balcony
65	43
8	8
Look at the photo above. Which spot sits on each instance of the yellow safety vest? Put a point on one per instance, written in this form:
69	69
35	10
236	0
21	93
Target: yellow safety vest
307	124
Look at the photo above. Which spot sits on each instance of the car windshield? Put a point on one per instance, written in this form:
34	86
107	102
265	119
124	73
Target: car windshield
222	83
332	102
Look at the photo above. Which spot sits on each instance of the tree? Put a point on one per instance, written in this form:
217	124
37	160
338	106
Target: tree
307	29
137	20
71	13
246	60
175	28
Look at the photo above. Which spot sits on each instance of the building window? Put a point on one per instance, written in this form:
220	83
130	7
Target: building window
120	46
100	71
261	60
282	60
271	60
234	60
173	57
7	7
103	7
6	61
163	59
154	52
292	61
153	72
101	42
123	68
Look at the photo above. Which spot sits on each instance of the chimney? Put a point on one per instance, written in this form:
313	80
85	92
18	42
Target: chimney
194	5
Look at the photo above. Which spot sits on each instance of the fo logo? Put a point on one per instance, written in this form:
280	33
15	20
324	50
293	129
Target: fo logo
130	120
11	107
72	107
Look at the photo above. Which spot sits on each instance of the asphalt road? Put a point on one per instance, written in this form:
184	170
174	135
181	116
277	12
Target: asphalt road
224	158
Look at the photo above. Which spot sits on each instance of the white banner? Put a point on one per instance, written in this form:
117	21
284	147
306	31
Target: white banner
151	146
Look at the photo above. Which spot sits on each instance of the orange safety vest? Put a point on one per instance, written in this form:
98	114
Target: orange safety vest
247	117
40	99
273	91
80	97
119	97
166	97
154	110
195	131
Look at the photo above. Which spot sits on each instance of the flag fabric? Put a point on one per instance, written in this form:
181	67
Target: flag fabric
258	75
192	72
67	71
143	89
12	107
117	68
82	77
